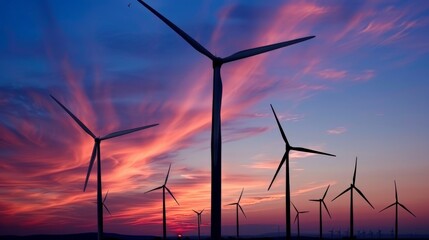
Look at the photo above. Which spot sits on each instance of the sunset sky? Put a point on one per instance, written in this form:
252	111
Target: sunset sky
360	88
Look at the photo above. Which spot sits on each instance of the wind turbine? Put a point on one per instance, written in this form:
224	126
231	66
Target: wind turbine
198	220
285	160
322	201
96	151
353	186
104	203
297	218
164	217
237	205
216	139
396	204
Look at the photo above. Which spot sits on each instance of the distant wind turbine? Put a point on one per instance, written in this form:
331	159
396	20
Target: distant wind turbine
198	221
297	218
97	151
353	186
285	160
104	203
164	216
322	201
216	139
237	206
396	204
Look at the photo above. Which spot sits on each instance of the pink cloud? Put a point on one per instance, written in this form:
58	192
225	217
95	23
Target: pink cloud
312	187
336	131
332	74
364	76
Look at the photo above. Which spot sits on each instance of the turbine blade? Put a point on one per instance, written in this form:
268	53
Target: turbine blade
400	204
107	209
296	217
123	132
324	195
242	210
258	50
300	149
278	169
202	211
327	210
304	212
396	192
154	189
294	207
195	211
105	197
314	200
231	204
240	195
179	31
80	123
342	193
168	173
391	205
357	189
172	195
280	127
91	163
354	173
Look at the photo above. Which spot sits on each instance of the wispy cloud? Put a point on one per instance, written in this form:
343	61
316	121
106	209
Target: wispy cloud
114	79
336	131
332	74
364	76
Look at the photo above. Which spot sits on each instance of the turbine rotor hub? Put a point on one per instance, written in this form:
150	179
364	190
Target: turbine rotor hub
217	62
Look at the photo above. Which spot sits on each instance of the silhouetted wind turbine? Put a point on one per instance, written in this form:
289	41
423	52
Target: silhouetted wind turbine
104	203
237	205
198	220
164	216
322	201
396	204
297	218
96	151
216	140
285	160
353	186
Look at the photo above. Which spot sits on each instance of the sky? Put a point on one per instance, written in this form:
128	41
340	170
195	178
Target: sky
358	89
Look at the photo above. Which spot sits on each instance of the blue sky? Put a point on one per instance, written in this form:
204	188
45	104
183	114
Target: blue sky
358	89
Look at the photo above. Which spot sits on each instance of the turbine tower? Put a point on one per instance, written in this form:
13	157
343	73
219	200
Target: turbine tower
285	160
297	218
96	151
237	205
164	215
216	139
198	221
353	186
396	204
322	201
